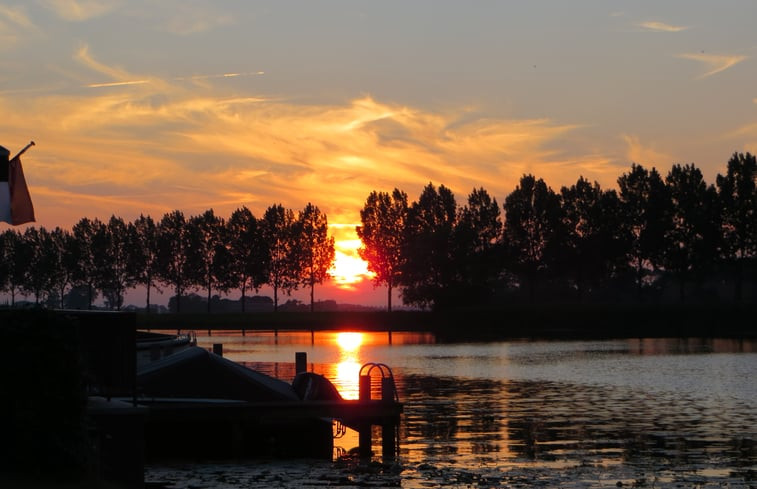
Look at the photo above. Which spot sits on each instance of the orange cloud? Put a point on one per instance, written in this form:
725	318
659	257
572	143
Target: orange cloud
714	62
159	144
653	25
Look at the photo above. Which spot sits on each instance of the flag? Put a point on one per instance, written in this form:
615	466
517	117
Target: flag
15	202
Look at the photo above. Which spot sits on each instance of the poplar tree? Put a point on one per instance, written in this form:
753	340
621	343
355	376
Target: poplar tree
278	231
382	233
315	248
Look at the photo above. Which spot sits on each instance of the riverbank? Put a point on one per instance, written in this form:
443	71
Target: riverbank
551	321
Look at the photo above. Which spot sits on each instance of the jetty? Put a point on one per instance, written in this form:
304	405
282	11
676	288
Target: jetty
171	400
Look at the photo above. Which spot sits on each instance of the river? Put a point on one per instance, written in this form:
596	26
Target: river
616	413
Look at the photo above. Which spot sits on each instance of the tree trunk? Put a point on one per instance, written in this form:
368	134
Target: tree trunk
89	291
209	287
244	290
312	300
389	296
149	281
275	298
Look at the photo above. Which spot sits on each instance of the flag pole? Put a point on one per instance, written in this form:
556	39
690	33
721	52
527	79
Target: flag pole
31	143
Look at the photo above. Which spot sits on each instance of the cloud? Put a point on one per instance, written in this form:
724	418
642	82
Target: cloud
80	10
185	19
14	22
714	62
661	26
645	154
142	144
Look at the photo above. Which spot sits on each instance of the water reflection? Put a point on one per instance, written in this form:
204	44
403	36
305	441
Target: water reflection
675	410
348	366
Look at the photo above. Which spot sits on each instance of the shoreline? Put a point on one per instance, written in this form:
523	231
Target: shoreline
483	324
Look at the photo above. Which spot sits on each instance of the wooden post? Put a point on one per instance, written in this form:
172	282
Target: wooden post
300	362
364	388
218	349
388	439
364	441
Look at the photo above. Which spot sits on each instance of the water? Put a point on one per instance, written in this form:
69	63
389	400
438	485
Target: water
639	413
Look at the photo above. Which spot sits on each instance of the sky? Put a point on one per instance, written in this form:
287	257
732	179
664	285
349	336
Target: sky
143	107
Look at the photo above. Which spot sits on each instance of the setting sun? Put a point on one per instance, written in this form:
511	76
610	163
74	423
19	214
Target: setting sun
348	269
349	342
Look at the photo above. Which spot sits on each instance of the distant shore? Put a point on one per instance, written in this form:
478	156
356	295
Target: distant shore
551	321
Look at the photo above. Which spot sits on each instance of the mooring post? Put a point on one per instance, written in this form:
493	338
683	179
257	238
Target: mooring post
218	349
300	362
364	441
364	388
388	439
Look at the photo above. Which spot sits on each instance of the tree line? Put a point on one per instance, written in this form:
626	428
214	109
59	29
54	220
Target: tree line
282	249
638	243
651	236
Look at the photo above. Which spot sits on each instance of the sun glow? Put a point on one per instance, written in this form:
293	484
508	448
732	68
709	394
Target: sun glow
348	268
349	342
348	368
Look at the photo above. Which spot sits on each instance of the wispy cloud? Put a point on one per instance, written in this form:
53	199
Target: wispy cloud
656	26
644	153
80	10
14	22
186	19
141	144
118	84
16	16
716	63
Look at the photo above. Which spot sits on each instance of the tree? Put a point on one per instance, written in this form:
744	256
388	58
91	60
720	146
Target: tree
691	239
61	262
278	231
592	242
532	219
114	265
315	248
205	250
12	266
144	256
36	279
173	253
477	238
248	252
646	215
85	250
383	220
737	196
428	268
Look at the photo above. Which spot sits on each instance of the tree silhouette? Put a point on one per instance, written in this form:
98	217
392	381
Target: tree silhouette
173	253
85	269
737	192
248	252
532	218
315	249
12	266
278	232
36	279
61	262
116	239
646	215
477	243
691	239
428	267
382	233
205	251
144	256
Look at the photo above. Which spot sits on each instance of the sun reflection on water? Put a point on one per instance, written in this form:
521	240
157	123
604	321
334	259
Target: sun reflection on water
348	366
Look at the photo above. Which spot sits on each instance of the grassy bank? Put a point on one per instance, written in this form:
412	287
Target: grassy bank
514	321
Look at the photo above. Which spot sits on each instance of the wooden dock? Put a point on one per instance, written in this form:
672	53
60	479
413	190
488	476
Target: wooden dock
244	418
